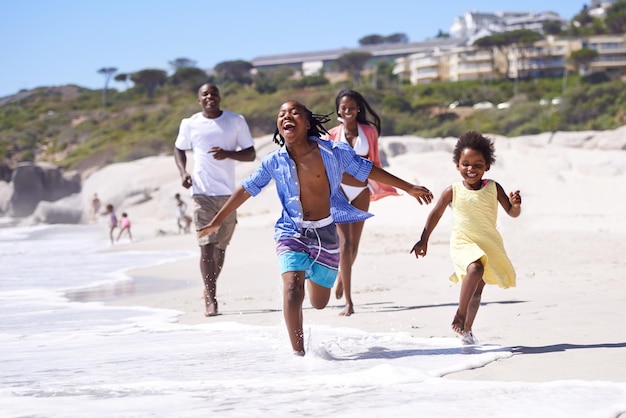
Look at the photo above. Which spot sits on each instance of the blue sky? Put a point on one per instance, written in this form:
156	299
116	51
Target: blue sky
52	43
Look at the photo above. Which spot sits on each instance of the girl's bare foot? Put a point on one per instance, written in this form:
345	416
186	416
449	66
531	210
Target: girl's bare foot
347	311
457	323
468	338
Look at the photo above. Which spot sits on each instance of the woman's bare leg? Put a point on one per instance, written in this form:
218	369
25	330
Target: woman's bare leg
468	287
293	296
349	239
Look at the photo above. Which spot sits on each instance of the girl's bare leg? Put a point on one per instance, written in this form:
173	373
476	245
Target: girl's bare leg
473	306
468	288
293	296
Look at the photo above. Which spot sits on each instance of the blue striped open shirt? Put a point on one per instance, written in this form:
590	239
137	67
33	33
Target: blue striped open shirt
338	157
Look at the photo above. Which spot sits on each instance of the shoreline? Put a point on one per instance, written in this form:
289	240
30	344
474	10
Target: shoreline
529	318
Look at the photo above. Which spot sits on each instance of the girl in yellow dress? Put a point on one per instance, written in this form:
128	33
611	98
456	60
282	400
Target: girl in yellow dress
476	246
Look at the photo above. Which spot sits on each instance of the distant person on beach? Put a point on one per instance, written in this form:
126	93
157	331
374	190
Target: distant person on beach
110	210
307	171
476	246
183	220
95	207
360	128
217	138
125	222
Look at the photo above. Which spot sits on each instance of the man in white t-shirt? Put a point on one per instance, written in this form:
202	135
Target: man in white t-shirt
217	138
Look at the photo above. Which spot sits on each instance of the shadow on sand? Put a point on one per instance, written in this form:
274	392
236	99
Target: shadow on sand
562	347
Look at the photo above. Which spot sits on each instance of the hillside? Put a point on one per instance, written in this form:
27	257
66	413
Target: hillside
68	125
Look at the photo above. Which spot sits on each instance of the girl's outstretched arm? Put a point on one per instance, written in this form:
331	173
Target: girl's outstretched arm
421	247
234	201
512	203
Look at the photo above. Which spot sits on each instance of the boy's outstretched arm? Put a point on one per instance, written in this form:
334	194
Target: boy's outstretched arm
421	193
234	201
421	247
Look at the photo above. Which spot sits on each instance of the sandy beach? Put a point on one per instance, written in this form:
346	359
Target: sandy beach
563	320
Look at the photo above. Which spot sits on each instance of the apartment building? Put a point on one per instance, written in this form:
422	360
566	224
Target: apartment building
472	24
545	58
455	59
311	63
611	52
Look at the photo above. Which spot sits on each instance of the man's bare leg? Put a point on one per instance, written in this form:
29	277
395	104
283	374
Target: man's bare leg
211	263
293	296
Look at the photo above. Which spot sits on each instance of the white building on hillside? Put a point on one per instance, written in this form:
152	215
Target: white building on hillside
472	23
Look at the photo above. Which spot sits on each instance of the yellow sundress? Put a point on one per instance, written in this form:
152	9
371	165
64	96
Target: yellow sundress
475	237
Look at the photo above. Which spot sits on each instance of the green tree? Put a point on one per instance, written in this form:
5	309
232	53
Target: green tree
488	43
179	63
234	72
397	38
582	58
353	63
190	78
552	27
524	40
122	78
583	18
108	73
616	17
149	79
269	81
521	38
372	40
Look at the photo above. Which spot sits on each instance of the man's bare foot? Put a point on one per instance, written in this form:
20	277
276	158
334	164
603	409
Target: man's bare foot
339	289
457	323
210	307
299	353
347	311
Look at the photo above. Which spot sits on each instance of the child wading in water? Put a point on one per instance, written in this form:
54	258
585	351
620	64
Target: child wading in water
476	246
110	210
308	170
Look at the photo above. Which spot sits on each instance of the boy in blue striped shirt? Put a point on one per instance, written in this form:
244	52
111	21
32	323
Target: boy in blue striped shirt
308	171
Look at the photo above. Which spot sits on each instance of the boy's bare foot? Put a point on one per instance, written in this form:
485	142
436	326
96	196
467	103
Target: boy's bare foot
339	289
347	311
299	353
457	323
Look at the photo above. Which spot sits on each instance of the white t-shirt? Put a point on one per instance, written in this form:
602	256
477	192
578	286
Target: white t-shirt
230	132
